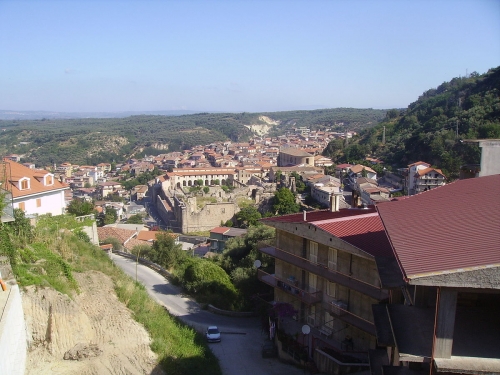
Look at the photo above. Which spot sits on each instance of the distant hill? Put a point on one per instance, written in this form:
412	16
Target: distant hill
431	128
93	140
39	115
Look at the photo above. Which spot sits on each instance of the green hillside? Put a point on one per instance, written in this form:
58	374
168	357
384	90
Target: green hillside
95	140
432	128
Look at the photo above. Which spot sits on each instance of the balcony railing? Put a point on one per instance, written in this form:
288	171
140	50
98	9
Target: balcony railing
304	296
339	310
322	270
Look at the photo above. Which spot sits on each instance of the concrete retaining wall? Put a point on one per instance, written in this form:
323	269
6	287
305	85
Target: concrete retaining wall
13	344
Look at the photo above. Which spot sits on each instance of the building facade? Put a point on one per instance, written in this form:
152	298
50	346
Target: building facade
325	267
35	191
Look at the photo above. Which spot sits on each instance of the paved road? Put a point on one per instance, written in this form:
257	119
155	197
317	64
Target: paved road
239	349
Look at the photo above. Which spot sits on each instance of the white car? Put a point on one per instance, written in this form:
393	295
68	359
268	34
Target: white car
213	334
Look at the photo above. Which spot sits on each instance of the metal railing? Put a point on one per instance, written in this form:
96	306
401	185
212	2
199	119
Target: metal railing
340	311
322	270
304	296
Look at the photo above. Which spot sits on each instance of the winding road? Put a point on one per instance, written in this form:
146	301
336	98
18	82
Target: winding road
239	349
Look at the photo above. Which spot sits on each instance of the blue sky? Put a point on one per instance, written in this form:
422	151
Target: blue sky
237	56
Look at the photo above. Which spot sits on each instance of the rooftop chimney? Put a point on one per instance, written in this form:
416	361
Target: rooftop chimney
334	202
305	215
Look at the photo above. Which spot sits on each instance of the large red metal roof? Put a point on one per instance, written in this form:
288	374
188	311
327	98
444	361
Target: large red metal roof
449	228
366	232
359	227
313	216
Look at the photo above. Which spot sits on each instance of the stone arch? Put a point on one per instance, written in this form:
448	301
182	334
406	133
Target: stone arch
206	183
190	183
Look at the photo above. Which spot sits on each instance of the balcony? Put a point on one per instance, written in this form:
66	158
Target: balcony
290	288
339	310
323	271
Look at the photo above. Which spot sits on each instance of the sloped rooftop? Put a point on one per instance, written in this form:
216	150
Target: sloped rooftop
453	228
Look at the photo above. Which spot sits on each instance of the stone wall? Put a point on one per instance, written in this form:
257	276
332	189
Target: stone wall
208	217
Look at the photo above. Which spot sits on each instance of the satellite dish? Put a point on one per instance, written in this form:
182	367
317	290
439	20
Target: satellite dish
257	263
306	329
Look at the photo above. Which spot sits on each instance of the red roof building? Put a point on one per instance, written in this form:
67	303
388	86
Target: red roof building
446	303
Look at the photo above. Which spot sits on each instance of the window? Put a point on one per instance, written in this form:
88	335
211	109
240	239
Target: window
39	202
22	206
313	252
332	289
313	281
332	259
24	184
49	180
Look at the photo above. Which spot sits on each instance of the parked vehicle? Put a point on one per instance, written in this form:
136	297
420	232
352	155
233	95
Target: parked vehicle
213	334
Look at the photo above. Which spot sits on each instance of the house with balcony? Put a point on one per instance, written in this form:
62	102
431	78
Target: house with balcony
325	267
444	281
422	177
427	179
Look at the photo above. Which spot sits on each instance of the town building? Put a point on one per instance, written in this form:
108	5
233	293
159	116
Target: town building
34	191
422	177
290	156
220	235
325	268
444	279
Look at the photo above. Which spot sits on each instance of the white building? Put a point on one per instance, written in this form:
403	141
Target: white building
35	191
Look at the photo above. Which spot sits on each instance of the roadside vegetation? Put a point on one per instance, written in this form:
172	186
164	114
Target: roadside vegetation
48	254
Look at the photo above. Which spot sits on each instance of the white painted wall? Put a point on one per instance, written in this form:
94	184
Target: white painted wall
52	202
13	344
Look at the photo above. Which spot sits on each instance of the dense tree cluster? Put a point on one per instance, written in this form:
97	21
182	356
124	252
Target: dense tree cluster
431	128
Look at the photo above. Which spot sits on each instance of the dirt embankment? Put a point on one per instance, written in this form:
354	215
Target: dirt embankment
94	331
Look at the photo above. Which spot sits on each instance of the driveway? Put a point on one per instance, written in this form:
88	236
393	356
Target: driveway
239	349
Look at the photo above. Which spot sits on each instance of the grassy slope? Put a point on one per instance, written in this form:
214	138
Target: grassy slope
53	253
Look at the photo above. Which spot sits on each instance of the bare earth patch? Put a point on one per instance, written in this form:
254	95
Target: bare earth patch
93	333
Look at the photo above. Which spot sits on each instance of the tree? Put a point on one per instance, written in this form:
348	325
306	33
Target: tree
248	216
80	207
110	216
117	245
284	202
209	282
206	189
165	251
135	219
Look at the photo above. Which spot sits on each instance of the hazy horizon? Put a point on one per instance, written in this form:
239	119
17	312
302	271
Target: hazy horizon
220	56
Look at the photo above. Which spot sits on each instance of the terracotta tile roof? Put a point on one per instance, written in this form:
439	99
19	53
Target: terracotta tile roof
219	230
121	234
421	172
135	242
148	235
358	168
294	151
446	229
419	163
18	171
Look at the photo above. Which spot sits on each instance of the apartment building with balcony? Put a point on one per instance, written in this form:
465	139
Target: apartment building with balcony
444	278
422	177
325	267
